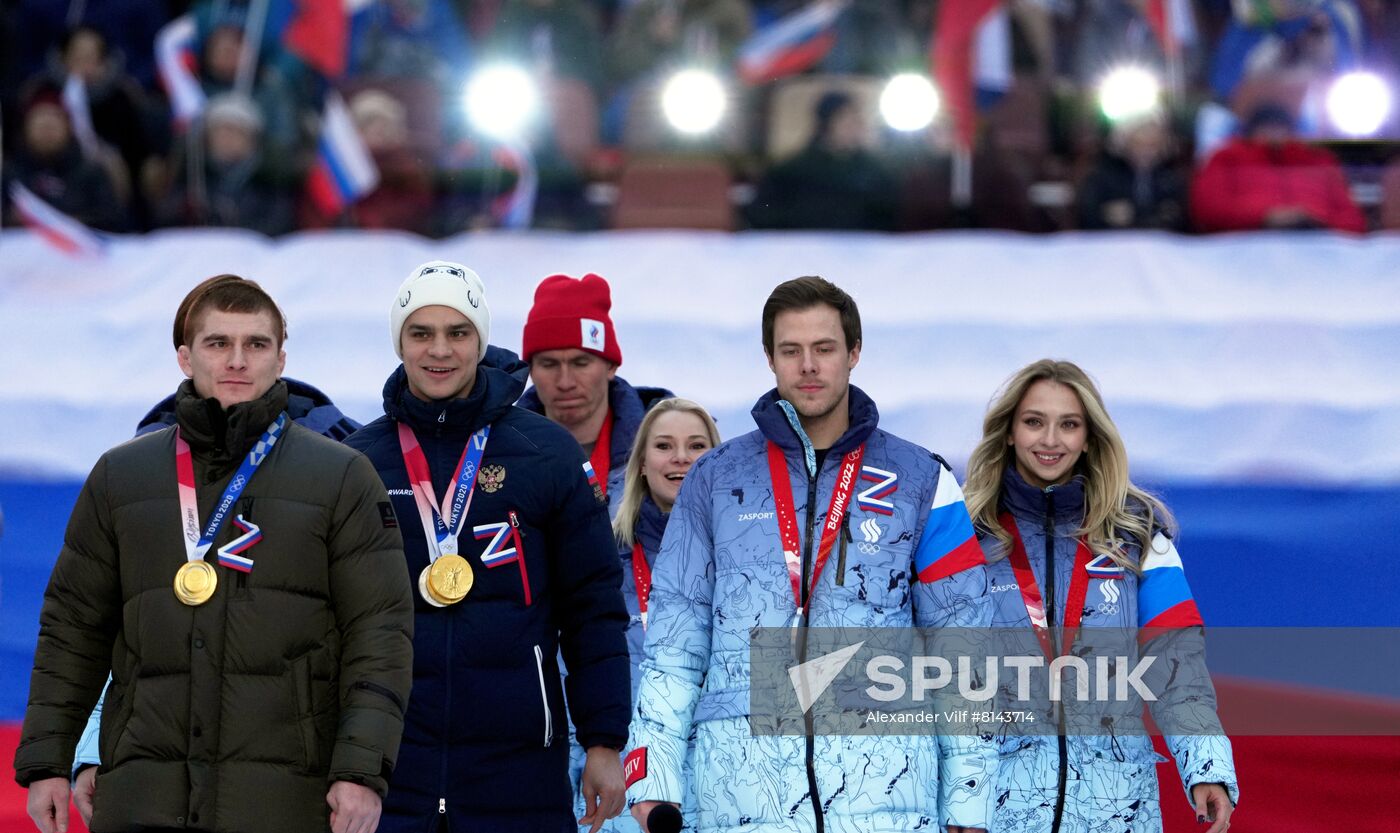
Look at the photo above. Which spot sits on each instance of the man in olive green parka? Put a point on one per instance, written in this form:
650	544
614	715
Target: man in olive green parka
260	666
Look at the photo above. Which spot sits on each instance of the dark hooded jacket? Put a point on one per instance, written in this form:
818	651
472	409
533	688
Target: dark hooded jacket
244	709
485	742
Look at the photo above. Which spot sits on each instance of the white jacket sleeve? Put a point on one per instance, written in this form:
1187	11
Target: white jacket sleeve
677	648
86	753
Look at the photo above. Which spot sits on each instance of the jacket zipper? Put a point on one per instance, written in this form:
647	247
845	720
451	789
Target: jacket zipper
544	698
841	557
802	647
446	714
520	553
1060	739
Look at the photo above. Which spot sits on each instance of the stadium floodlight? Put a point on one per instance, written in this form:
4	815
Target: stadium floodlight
502	101
1358	103
1128	92
909	102
693	101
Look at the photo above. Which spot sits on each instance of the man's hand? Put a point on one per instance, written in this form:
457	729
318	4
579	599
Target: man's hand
84	787
354	808
1212	804
48	805
642	811
603	790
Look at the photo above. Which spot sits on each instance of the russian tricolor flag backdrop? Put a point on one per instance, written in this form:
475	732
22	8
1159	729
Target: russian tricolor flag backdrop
1278	462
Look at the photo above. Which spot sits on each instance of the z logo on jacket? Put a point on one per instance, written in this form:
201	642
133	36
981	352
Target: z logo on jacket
877	498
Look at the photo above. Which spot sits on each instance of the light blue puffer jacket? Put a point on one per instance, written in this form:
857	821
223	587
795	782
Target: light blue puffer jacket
1110	778
721	572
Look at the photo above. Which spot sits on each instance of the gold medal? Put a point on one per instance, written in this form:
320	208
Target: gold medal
450	579
195	582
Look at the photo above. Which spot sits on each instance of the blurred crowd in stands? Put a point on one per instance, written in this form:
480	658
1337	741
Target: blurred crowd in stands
142	114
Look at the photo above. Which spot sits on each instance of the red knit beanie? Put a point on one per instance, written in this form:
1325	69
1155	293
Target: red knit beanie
571	313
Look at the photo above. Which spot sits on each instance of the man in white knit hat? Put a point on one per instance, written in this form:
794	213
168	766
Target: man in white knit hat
513	562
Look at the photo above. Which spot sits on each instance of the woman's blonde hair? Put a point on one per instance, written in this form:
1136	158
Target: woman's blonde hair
1113	506
634	486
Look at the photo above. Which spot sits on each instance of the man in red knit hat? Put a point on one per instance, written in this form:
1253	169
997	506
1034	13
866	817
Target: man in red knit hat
573	353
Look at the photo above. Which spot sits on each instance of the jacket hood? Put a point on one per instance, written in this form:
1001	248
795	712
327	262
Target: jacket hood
498	384
306	405
778	422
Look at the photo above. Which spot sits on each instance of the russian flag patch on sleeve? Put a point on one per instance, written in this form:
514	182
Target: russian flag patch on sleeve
949	544
1164	598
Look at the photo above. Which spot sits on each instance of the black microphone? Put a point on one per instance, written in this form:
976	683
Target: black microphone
664	818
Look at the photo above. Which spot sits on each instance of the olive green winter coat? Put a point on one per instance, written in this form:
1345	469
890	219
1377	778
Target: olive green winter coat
238	714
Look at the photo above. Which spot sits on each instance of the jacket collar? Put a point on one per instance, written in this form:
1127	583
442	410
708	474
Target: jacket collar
492	396
651	526
306	405
1025	500
221	434
774	421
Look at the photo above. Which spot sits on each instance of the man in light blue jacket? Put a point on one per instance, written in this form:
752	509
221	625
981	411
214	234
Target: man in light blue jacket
761	537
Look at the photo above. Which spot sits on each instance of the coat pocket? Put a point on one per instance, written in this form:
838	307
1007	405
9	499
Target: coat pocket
309	704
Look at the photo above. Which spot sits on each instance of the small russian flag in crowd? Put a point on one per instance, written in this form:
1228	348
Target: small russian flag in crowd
590	474
792	43
175	62
317	31
949	544
231	554
515	209
344	170
1173	22
971	58
1164	598
75	101
53	225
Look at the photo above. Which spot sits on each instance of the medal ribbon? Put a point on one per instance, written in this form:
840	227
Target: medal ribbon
787	515
641	576
196	545
602	453
442	534
1030	590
